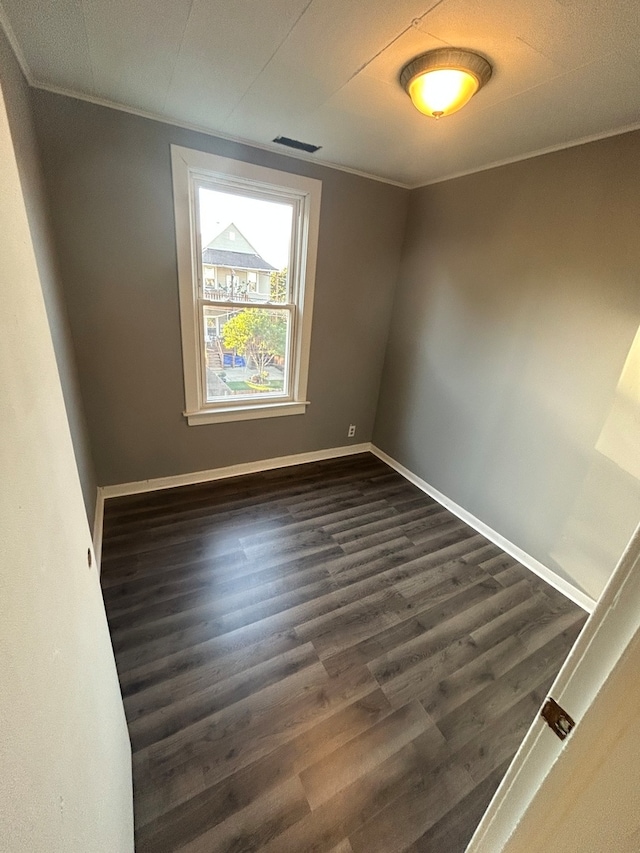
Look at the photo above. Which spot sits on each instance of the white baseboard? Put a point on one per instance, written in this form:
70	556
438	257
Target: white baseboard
98	521
141	486
572	592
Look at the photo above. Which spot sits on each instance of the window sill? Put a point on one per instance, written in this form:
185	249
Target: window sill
245	413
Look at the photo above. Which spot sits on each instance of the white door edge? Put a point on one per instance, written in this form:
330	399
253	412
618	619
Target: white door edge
603	640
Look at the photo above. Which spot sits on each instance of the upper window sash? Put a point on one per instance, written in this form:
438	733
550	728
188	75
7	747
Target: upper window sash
267	193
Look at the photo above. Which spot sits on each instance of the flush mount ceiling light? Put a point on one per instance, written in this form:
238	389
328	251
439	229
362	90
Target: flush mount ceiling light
441	81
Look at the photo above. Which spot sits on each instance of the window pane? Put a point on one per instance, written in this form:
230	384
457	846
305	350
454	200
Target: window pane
245	352
245	247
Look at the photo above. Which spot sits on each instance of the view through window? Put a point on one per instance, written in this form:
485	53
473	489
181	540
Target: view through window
248	312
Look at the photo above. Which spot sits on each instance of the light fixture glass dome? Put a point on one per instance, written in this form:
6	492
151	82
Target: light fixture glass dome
442	81
442	91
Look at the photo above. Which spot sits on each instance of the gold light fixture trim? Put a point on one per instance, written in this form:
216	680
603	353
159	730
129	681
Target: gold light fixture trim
442	81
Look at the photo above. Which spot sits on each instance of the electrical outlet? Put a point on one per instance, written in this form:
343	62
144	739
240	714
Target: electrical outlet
352	431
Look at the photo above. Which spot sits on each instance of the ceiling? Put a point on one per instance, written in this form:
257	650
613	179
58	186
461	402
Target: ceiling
326	72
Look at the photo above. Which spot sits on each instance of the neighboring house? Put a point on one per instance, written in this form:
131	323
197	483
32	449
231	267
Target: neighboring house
233	269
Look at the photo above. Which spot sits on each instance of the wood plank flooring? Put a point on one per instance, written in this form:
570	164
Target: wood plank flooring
320	658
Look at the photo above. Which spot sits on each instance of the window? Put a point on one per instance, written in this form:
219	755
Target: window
246	238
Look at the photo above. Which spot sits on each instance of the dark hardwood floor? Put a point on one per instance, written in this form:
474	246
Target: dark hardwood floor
320	658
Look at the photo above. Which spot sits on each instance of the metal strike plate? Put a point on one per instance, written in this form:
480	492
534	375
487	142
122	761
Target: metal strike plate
557	718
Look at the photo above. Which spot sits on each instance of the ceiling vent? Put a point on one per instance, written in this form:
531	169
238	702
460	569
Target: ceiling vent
299	146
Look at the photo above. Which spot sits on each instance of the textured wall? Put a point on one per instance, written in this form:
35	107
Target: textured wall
516	312
64	751
22	132
109	181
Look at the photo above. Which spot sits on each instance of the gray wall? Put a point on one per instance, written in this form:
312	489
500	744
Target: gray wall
19	113
109	182
517	307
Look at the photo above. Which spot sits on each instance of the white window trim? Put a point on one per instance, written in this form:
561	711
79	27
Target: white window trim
187	165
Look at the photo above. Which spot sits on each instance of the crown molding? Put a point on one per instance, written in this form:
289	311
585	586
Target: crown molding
540	152
207	131
294	155
15	46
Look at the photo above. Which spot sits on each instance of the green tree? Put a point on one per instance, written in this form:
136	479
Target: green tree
258	334
278	285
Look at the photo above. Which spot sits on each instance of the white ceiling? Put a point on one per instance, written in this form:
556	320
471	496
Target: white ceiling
326	72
